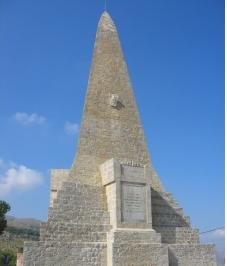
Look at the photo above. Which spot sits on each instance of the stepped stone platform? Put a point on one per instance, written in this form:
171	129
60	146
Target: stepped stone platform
110	208
76	231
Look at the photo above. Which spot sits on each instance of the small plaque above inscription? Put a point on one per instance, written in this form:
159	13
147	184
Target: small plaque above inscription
132	173
133	201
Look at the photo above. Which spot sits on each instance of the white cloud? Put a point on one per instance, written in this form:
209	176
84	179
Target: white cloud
17	177
216	237
220	233
71	128
28	119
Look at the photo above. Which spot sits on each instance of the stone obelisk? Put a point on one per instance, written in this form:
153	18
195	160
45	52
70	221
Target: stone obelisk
110	208
111	125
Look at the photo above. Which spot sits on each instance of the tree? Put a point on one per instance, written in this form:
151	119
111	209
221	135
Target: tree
4	208
7	258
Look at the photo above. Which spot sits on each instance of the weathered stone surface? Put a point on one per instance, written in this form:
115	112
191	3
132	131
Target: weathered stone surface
76	231
191	255
20	259
108	131
110	208
140	255
59	253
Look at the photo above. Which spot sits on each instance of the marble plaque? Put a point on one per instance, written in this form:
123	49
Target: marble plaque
133	202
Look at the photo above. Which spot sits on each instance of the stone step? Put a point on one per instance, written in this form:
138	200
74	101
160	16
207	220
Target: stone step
166	209
134	236
64	253
139	254
83	191
80	198
81	219
161	201
76	236
192	255
169	220
84	227
78	210
74	232
164	196
81	211
98	215
173	235
81	187
76	205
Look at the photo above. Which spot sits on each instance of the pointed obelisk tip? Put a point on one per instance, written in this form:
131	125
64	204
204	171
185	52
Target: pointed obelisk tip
106	14
106	22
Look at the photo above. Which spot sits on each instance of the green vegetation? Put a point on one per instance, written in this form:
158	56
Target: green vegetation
7	258
12	242
4	208
14	235
28	233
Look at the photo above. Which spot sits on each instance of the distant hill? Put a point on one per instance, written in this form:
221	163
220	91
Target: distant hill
18	231
23	222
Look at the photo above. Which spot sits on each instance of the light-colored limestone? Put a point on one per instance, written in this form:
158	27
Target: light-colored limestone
20	259
108	131
110	208
128	193
58	176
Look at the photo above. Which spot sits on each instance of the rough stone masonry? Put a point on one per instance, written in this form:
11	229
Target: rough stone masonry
110	208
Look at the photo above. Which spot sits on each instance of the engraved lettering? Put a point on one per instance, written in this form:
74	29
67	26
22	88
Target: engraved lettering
133	202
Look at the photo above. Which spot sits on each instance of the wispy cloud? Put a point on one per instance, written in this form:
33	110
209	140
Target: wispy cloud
220	233
216	237
29	119
17	177
71	128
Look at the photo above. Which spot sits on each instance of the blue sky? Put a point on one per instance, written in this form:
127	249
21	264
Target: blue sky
175	55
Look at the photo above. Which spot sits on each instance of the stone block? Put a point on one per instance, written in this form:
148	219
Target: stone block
191	255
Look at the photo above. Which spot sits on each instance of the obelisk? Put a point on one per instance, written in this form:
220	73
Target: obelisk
110	208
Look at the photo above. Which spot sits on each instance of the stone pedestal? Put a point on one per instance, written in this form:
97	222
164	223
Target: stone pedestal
132	241
128	194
